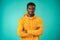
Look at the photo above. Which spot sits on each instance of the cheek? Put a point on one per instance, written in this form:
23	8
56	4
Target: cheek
29	10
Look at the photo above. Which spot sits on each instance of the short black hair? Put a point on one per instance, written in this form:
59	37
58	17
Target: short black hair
31	3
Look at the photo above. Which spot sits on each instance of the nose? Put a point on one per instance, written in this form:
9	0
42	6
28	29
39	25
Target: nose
31	10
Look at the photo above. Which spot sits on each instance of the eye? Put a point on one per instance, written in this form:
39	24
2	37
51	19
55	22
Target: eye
29	8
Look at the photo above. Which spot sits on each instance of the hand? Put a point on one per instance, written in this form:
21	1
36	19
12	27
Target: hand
37	28
25	31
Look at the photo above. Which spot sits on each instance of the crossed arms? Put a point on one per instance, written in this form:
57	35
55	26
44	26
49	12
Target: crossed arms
25	33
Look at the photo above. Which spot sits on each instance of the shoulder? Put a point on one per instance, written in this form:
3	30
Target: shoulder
38	18
21	19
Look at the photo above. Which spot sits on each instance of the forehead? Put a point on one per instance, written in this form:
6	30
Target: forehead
31	6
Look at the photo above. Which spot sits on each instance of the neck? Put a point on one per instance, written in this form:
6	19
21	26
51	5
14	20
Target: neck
30	15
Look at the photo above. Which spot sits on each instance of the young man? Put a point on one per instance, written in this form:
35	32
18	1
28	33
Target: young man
30	26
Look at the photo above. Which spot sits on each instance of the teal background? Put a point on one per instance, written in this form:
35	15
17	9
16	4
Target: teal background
12	10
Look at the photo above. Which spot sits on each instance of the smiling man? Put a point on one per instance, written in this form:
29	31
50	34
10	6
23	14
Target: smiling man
30	27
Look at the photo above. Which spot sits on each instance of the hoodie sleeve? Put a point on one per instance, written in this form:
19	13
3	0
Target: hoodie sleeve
21	33
39	30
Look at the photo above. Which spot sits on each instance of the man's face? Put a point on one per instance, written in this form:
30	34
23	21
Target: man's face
31	9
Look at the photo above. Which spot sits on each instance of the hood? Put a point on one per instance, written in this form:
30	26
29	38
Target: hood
26	16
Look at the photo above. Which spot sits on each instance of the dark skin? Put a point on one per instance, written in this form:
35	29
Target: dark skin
31	10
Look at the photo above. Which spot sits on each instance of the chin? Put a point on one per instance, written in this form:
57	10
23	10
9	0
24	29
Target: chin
30	13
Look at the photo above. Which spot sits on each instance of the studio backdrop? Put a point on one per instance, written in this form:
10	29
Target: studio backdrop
12	10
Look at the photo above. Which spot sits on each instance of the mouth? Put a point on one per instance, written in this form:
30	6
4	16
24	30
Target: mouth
30	12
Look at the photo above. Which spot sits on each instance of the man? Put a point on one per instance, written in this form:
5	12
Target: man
30	26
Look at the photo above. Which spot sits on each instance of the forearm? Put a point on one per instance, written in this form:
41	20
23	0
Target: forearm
24	34
36	31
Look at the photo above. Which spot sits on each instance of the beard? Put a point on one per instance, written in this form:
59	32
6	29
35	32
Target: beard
31	14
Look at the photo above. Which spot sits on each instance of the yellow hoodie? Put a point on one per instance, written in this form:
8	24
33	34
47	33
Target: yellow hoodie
33	25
